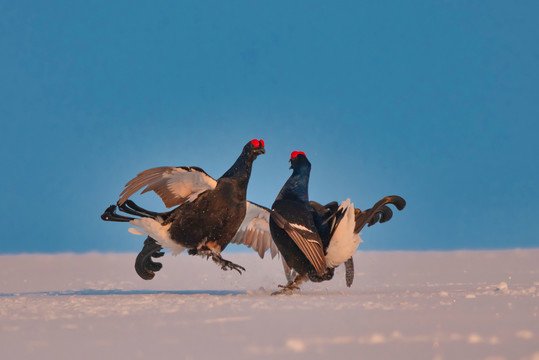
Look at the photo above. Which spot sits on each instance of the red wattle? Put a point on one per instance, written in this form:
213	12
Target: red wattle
296	153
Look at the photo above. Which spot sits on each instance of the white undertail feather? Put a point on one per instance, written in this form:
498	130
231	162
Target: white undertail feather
158	232
344	242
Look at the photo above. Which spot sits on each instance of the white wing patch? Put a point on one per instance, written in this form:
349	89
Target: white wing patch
189	184
254	231
344	242
158	232
300	227
174	185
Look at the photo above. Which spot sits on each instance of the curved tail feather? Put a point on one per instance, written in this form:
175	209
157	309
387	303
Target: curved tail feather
144	265
349	274
380	212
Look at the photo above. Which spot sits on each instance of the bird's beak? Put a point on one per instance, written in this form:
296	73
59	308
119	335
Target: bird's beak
290	161
260	150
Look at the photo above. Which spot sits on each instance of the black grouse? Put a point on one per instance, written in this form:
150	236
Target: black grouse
315	239
209	214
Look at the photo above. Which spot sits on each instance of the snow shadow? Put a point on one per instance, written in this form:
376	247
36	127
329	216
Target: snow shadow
94	292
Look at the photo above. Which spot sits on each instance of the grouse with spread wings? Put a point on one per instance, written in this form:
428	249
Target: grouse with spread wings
207	216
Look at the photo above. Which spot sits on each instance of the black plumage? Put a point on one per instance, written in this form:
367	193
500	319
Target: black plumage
306	232
207	217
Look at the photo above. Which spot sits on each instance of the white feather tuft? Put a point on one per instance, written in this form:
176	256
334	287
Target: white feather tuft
158	232
300	227
344	242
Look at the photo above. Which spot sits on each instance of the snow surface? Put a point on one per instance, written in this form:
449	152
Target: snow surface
402	305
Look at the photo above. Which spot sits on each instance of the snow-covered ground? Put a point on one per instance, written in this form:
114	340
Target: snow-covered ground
402	305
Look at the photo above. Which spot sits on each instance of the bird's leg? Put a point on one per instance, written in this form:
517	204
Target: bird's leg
201	250
144	265
211	249
293	285
226	264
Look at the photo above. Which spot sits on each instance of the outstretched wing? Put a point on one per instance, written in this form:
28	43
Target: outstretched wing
254	231
174	185
307	241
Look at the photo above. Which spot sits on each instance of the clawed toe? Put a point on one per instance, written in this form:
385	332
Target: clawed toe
210	253
286	289
229	265
291	287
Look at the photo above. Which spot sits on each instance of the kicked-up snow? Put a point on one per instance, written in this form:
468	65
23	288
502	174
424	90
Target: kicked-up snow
402	305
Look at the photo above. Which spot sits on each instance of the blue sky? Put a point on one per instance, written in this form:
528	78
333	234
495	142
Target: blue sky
436	101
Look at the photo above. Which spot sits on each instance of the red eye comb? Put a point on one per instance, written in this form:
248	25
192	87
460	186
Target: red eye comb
257	143
296	153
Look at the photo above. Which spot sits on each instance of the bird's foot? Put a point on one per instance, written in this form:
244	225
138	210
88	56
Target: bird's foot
210	253
226	264
287	289
144	265
292	286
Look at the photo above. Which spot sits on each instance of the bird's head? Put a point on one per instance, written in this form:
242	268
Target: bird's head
299	160
255	147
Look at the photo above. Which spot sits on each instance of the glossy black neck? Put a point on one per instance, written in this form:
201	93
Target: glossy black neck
297	186
241	170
